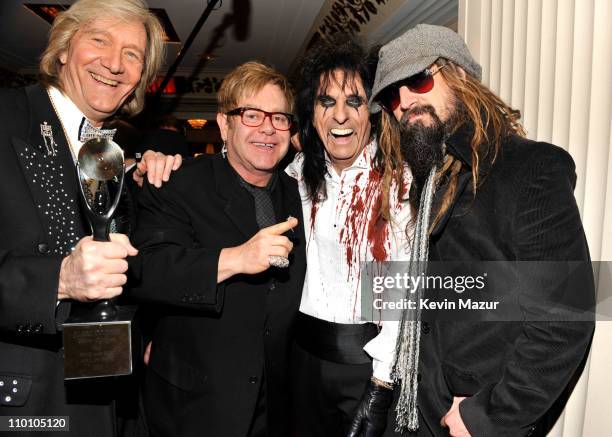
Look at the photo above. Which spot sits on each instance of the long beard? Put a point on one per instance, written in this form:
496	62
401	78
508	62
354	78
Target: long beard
422	146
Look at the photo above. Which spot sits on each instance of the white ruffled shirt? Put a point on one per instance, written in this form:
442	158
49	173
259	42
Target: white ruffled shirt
341	233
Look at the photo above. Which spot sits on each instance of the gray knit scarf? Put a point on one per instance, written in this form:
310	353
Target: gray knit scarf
406	362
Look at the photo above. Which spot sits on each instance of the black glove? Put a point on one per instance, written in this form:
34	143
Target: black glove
371	415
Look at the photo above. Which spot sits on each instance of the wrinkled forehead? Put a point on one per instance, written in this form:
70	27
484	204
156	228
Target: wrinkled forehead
108	21
348	81
129	29
269	97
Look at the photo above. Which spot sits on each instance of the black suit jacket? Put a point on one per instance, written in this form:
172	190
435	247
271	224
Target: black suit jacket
30	342
512	372
214	343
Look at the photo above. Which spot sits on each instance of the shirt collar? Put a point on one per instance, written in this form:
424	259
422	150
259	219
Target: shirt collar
69	115
250	187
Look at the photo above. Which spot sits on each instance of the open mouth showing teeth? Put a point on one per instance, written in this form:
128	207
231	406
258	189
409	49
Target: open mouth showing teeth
104	80
269	146
341	132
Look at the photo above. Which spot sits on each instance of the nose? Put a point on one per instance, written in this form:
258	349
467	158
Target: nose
407	98
113	60
266	127
340	114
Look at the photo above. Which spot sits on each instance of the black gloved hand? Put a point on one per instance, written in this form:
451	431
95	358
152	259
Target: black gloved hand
371	415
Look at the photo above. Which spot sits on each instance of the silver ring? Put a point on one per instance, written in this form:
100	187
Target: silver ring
278	261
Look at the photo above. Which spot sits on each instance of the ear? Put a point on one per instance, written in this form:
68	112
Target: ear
223	125
63	57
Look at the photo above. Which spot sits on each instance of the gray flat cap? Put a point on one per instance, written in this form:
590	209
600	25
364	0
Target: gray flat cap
416	50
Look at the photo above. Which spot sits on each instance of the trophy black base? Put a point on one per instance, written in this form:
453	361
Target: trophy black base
100	348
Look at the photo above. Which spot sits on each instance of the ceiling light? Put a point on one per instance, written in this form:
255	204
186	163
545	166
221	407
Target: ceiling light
197	123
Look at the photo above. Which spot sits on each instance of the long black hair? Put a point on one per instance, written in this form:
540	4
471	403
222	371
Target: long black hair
341	53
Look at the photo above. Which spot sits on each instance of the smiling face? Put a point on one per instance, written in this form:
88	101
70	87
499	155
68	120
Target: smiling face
254	152
103	66
342	119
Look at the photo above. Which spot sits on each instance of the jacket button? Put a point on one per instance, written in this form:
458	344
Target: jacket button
268	331
272	287
252	379
42	248
425	328
8	399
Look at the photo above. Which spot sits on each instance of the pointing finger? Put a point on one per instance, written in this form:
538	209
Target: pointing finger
282	227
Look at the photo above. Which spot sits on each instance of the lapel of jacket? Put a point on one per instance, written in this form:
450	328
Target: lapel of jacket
37	152
288	200
41	111
458	146
463	181
287	196
239	206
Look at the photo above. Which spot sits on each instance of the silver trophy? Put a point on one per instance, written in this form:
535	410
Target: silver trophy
98	339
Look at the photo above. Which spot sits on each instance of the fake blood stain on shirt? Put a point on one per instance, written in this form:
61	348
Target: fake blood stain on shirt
363	224
378	231
313	215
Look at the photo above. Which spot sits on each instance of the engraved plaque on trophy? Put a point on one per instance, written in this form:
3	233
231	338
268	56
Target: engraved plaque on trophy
98	337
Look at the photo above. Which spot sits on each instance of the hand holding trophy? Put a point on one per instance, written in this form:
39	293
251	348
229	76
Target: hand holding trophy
98	339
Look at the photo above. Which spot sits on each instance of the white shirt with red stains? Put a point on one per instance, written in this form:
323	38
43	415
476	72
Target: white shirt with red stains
345	230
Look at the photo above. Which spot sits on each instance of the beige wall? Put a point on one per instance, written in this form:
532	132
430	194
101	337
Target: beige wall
552	59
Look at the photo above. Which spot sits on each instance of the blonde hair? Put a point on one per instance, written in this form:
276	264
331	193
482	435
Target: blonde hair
392	163
248	79
68	23
492	120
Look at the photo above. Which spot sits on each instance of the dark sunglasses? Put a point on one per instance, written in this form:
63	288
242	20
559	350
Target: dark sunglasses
420	83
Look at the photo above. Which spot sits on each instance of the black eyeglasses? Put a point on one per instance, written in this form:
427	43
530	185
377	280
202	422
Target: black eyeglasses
420	83
253	117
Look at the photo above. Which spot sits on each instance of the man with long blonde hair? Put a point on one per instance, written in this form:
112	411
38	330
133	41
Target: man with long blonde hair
483	192
101	56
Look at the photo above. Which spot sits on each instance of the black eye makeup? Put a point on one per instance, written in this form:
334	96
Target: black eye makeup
326	101
354	101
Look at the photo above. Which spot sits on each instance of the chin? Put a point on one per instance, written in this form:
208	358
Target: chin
425	122
349	151
268	164
104	103
106	109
